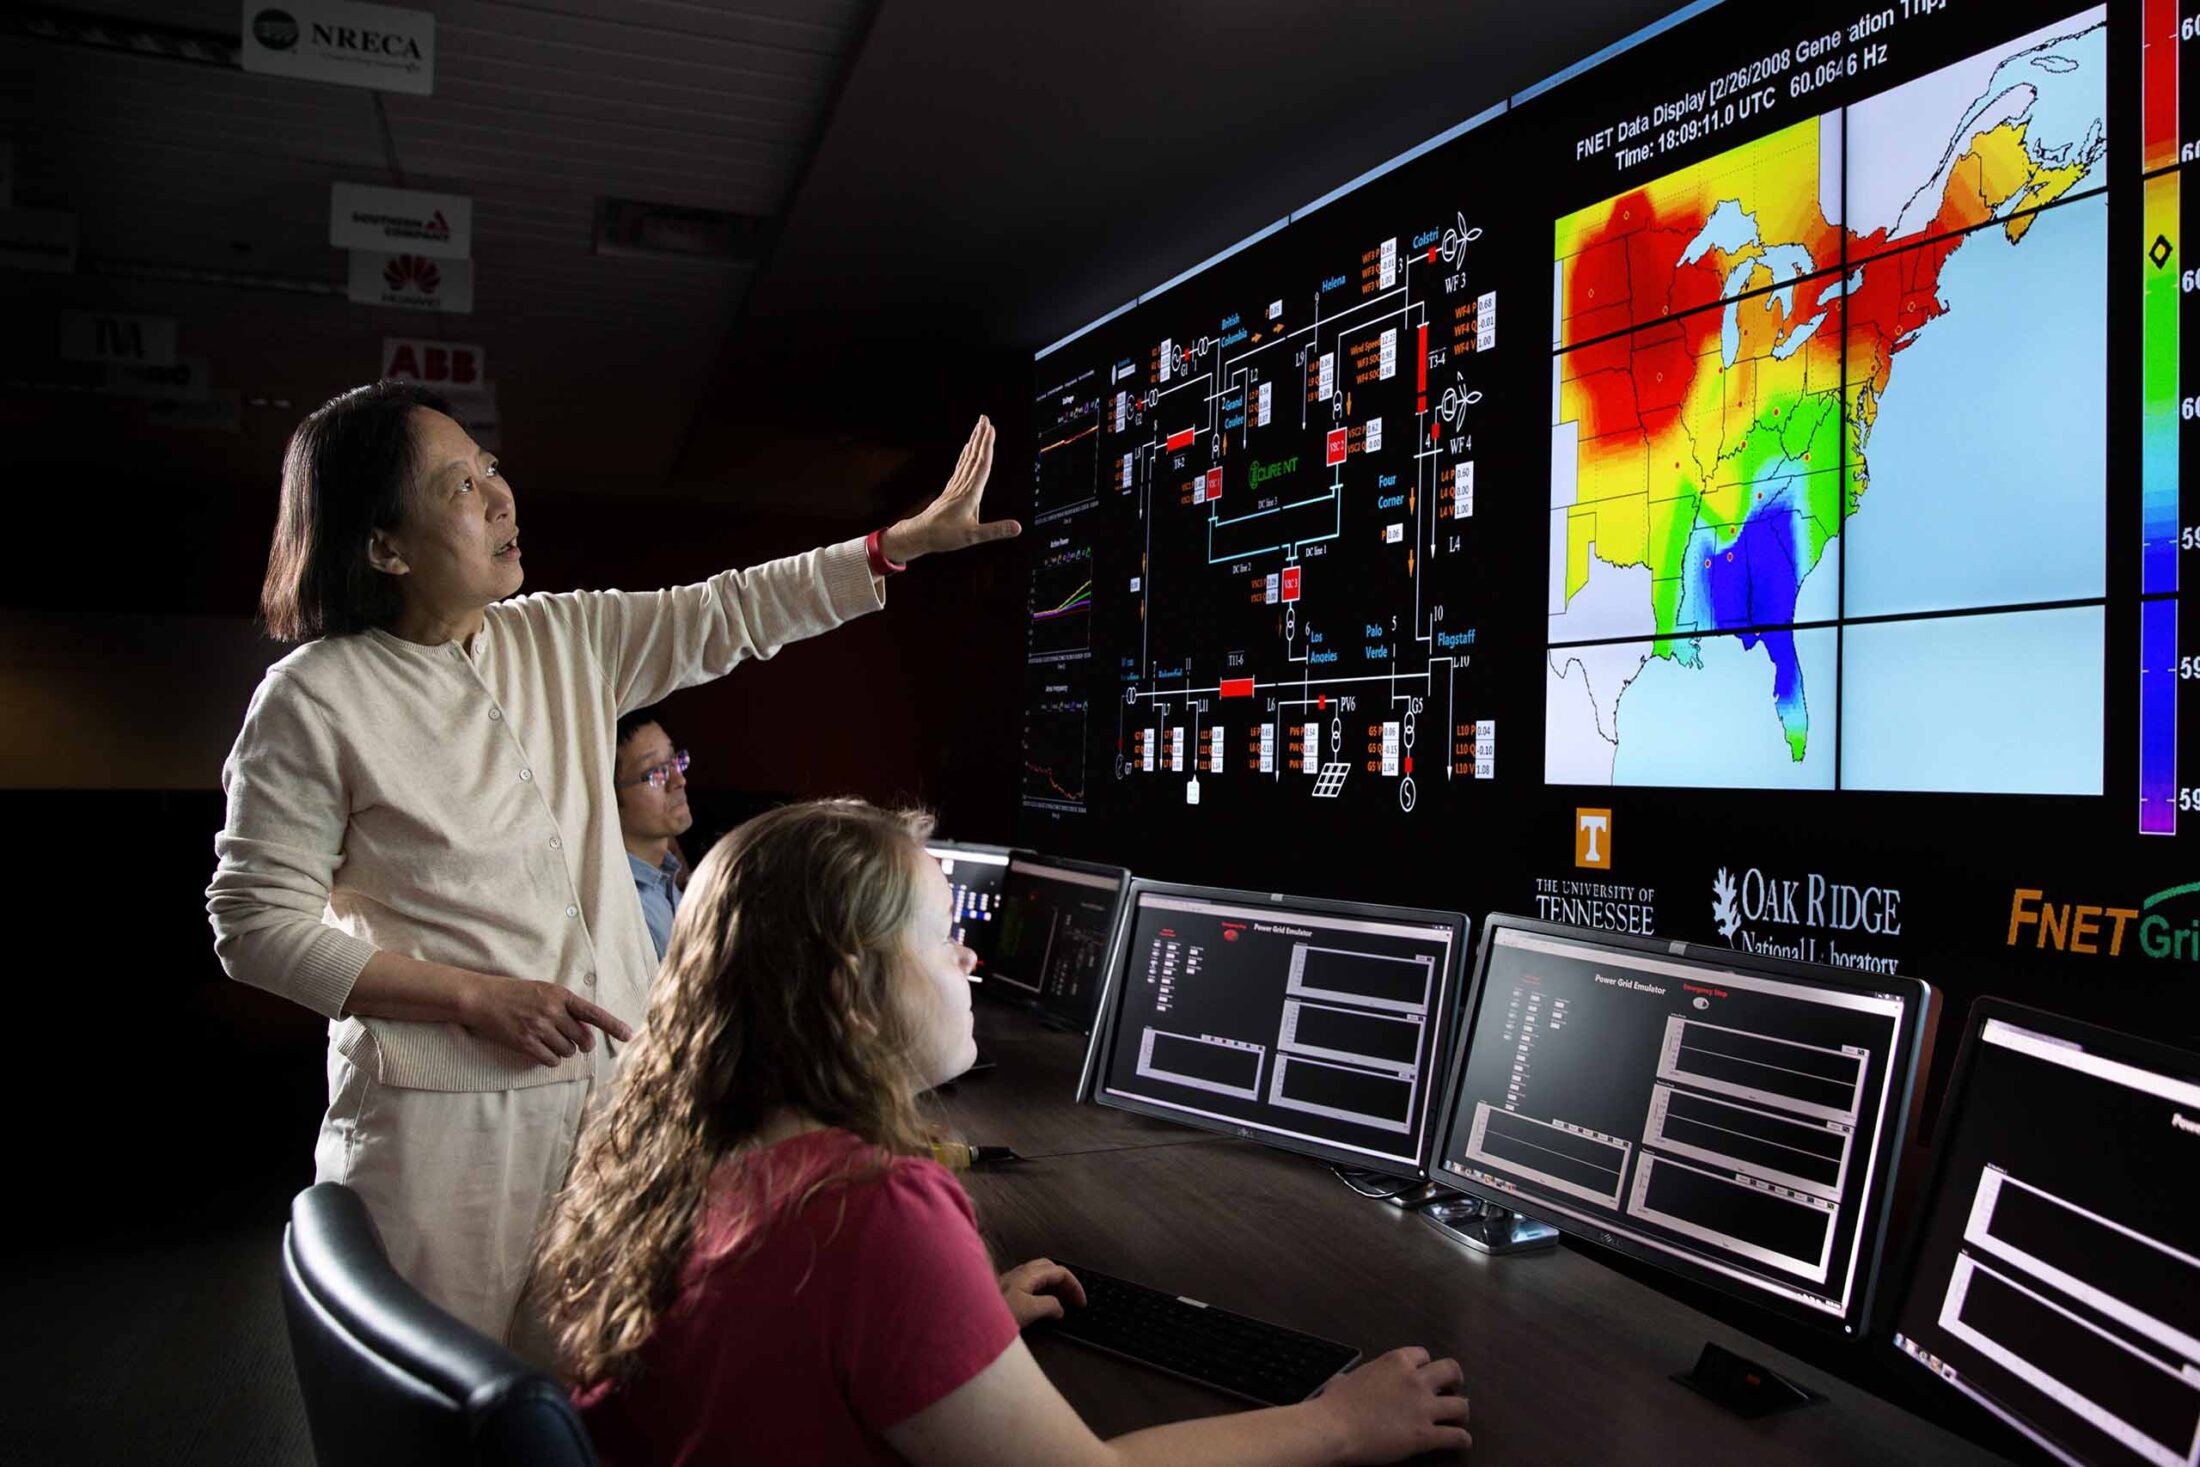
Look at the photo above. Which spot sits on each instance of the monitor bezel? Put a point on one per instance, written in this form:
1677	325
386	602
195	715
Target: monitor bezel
1857	1323
2094	1039
1081	1023
1100	1049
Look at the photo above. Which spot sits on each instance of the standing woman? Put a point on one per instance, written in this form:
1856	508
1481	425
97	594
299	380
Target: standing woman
422	841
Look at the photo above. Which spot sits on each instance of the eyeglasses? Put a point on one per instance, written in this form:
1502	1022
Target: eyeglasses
660	775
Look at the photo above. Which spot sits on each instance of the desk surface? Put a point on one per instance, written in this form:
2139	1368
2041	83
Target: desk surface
1566	1360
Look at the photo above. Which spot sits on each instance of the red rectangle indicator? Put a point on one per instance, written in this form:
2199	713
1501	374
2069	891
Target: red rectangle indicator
1214	485
1290	583
1420	359
1337	440
1180	440
1237	687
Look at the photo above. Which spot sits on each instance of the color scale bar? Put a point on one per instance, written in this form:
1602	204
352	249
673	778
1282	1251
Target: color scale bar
2158	717
2159	66
2158	488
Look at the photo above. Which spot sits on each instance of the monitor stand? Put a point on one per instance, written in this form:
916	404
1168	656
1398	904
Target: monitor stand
1406	1192
1488	1228
1742	1385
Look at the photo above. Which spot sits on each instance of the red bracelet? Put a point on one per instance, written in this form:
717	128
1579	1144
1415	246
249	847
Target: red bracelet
880	565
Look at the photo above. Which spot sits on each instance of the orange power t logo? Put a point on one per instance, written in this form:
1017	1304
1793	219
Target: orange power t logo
1593	839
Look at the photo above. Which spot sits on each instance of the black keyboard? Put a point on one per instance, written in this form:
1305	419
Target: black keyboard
1248	1358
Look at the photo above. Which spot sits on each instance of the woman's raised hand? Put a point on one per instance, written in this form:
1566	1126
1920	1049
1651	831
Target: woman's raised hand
951	521
539	1020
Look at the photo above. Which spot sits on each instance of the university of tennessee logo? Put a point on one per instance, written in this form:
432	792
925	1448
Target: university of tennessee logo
1593	839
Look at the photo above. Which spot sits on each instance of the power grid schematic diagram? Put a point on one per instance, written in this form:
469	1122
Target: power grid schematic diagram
1255	503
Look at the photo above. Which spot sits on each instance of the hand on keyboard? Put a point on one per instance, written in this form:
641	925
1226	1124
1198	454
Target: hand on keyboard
1398	1405
1037	1290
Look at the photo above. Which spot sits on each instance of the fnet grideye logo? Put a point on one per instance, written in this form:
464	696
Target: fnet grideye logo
2165	925
1593	839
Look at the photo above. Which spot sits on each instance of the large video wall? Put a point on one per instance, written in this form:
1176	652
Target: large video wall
1731	493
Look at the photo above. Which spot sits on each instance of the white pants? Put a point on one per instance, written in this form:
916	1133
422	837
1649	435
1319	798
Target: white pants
458	1183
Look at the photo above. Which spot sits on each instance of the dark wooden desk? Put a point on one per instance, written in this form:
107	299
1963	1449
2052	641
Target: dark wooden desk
1566	1360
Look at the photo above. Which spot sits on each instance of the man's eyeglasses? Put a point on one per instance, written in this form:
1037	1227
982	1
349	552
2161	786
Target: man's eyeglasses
658	776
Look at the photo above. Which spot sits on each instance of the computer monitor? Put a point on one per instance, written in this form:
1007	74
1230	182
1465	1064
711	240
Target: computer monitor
1057	918
975	875
1733	1118
2055	1278
1316	1026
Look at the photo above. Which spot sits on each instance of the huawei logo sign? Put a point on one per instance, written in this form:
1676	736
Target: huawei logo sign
413	271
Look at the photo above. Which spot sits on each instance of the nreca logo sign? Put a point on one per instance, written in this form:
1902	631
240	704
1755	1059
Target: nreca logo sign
275	29
2163	926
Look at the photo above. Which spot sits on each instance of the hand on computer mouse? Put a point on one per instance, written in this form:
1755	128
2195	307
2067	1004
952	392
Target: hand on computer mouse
1037	1290
1398	1405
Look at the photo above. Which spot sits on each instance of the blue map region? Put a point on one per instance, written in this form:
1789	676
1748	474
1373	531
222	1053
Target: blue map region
1754	582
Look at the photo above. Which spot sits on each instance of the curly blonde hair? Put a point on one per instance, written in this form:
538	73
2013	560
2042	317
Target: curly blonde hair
782	989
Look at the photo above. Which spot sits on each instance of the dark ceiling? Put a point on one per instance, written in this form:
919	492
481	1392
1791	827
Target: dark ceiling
997	173
951	184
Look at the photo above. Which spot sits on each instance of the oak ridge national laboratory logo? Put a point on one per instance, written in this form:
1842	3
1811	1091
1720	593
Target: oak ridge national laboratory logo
1807	918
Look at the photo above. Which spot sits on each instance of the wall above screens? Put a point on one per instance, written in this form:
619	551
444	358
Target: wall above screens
1726	494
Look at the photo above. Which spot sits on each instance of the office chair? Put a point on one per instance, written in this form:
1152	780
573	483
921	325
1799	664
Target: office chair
389	1377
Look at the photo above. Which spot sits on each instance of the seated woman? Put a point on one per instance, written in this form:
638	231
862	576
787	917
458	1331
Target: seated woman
756	1260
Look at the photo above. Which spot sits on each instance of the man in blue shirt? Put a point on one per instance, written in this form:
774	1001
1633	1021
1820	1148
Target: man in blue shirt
650	778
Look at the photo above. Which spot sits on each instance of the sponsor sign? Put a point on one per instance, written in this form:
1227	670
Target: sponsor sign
2162	925
401	220
447	366
185	380
477	413
413	281
341	41
220	411
100	336
37	239
1810	917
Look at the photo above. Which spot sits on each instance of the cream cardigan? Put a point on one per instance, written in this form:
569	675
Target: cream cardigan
454	803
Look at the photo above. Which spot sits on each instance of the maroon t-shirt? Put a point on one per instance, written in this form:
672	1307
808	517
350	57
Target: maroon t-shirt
867	1305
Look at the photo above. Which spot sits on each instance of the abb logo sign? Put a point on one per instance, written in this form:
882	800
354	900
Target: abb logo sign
453	366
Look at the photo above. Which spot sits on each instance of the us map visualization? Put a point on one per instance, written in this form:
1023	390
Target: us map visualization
1840	471
1814	385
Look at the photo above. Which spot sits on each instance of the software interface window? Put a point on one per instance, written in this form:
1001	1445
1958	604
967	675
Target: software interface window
1055	924
974	881
1297	1026
1723	1120
2062	1293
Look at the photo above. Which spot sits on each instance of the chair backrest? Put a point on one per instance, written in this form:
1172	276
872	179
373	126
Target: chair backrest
389	1377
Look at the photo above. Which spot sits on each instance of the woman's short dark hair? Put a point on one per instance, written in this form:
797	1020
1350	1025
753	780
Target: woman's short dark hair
344	477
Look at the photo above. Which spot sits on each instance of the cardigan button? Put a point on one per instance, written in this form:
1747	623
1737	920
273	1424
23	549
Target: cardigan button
496	715
556	844
527	774
572	911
